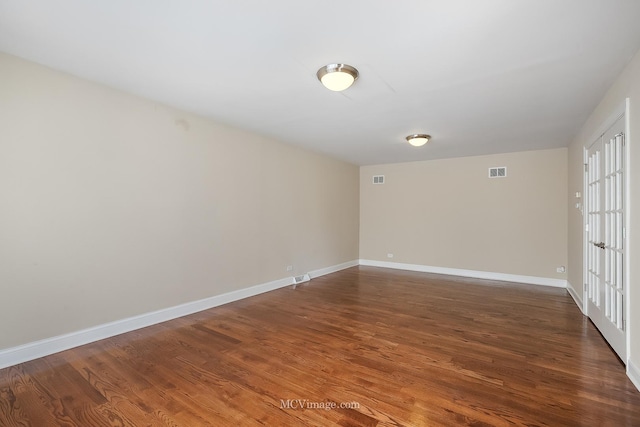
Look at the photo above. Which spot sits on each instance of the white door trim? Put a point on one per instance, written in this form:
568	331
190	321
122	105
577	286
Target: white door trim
627	201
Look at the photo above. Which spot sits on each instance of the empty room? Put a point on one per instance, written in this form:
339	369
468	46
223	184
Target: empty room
351	213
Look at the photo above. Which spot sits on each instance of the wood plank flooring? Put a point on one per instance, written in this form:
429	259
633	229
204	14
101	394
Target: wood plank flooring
394	348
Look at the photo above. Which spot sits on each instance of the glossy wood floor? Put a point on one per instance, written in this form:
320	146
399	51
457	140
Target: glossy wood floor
401	348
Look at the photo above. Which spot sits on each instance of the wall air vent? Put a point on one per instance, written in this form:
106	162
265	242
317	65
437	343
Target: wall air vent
378	179
499	172
300	279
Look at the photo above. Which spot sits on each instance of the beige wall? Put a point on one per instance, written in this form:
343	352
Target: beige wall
626	86
113	206
575	225
448	213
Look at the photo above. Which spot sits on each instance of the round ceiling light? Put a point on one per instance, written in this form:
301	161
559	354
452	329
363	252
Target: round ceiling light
418	139
337	77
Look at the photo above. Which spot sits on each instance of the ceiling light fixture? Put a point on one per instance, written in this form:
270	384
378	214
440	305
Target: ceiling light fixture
418	139
337	77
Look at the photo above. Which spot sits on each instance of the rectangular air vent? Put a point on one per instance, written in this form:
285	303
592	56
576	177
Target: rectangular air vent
499	172
378	179
300	279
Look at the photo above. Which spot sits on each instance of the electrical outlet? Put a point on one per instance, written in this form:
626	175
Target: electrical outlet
289	267
561	269
389	255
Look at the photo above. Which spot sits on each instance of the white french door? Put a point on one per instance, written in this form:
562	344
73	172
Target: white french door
605	237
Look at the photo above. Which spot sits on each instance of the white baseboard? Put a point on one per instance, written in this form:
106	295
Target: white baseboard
576	298
332	269
634	374
33	350
532	280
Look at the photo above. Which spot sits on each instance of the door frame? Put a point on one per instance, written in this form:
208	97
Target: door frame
621	110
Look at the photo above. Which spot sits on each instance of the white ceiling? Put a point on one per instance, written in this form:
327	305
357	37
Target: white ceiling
482	77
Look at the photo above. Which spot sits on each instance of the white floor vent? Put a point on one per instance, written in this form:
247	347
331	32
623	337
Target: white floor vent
300	279
499	172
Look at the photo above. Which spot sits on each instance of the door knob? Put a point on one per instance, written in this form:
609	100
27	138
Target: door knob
600	245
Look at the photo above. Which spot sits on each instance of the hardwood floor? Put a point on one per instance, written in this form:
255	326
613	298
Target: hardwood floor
400	348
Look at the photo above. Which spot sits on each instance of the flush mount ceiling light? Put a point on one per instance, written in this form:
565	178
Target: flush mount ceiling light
337	77
418	139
